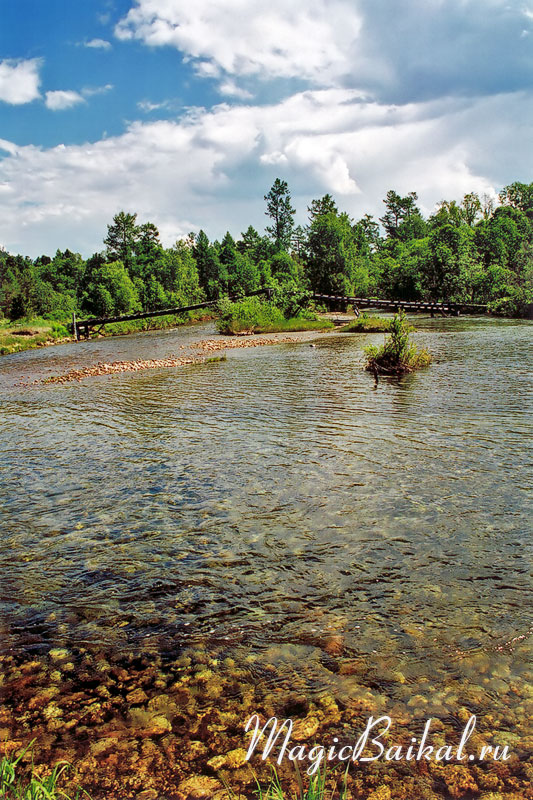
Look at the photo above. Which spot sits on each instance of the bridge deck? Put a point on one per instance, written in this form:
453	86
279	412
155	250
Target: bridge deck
407	305
86	325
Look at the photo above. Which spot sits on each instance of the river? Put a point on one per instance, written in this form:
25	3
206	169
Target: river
279	520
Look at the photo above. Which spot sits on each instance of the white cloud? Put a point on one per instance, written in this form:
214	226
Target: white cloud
416	49
60	100
148	107
230	89
19	81
305	39
99	44
211	168
91	91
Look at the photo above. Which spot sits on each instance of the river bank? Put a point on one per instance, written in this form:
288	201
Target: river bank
32	333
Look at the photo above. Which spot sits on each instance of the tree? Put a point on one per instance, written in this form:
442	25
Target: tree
471	208
403	219
256	247
242	272
299	241
280	210
518	195
325	205
212	274
111	291
121	238
333	263
367	230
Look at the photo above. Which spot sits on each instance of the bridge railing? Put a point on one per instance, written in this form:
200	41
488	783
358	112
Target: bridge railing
86	325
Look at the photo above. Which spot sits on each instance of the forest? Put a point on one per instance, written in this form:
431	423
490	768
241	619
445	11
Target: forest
474	251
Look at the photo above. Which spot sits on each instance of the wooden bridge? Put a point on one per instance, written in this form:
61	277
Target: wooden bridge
85	326
341	303
333	302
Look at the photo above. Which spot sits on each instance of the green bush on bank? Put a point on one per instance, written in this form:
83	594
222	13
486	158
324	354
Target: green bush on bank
253	315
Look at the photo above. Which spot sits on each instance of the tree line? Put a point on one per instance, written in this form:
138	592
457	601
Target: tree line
473	251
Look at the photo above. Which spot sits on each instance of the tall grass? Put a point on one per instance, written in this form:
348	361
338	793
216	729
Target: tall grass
25	334
13	786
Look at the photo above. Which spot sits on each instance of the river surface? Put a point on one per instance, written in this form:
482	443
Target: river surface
280	510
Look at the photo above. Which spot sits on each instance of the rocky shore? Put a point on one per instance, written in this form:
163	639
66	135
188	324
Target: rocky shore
137	726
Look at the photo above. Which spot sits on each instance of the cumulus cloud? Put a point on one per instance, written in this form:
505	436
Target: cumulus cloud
305	39
411	50
98	44
19	81
212	167
60	100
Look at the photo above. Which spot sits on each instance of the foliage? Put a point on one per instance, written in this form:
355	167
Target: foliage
320	786
27	334
253	315
471	250
281	212
32	786
398	355
367	323
334	266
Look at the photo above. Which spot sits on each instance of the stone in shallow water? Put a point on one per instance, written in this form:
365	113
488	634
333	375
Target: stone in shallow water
199	787
137	697
59	654
382	793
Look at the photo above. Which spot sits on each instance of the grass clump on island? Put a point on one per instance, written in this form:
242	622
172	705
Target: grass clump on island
399	354
31	786
366	323
25	334
253	315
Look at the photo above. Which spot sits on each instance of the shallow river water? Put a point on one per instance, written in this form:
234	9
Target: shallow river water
284	515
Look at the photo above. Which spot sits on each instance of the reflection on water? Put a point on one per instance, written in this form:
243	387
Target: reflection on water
278	508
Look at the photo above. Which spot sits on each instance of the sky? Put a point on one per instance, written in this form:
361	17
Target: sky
186	112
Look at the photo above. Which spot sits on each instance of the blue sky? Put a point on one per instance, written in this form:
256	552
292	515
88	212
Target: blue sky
186	112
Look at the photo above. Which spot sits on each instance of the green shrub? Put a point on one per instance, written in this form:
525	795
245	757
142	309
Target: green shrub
516	304
398	355
366	323
253	315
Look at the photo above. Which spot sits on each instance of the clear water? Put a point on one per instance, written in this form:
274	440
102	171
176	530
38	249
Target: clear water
278	507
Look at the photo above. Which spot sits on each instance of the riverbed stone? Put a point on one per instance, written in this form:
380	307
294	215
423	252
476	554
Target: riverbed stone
137	697
148	794
382	793
59	654
199	787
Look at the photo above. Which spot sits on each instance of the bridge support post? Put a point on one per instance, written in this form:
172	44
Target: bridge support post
75	330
